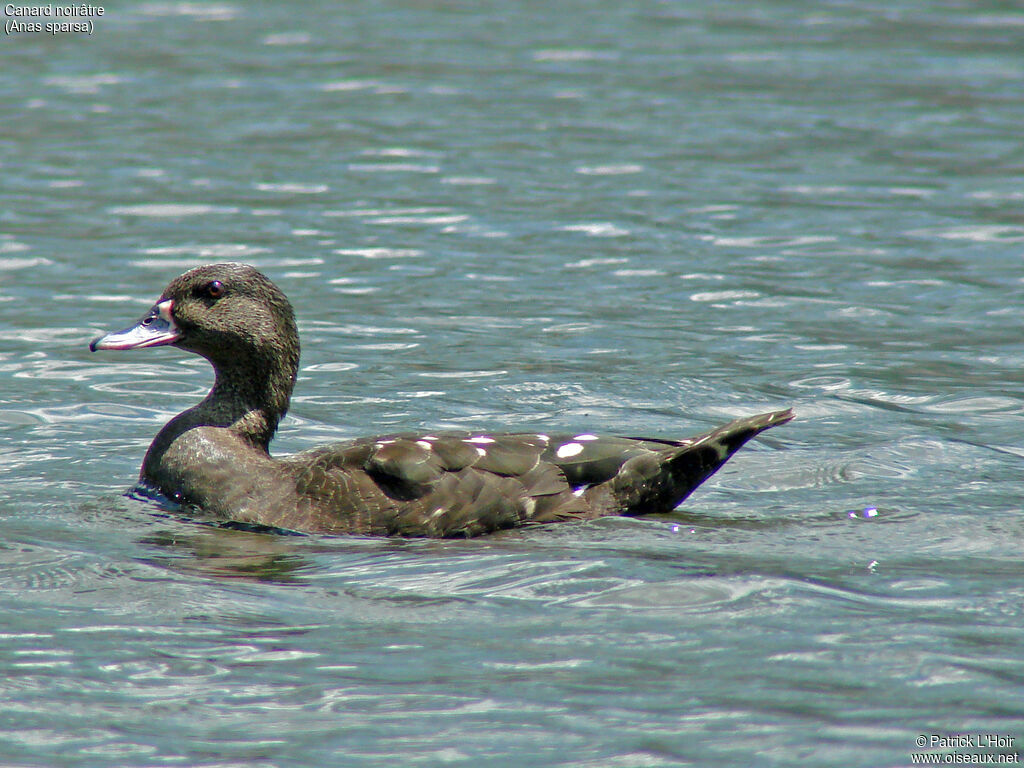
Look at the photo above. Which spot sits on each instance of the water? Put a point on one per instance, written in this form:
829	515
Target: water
639	218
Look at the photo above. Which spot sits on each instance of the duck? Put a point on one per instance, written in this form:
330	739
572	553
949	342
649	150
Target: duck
215	456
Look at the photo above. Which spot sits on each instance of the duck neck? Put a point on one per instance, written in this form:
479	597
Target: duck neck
250	397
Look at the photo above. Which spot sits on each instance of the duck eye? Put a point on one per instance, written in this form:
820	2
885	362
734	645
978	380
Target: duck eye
215	289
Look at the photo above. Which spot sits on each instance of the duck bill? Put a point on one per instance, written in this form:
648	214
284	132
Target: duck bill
156	329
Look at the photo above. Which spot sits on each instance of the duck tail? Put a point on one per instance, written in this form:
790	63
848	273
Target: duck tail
662	484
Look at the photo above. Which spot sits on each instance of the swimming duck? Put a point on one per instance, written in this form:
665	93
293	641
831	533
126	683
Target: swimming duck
216	454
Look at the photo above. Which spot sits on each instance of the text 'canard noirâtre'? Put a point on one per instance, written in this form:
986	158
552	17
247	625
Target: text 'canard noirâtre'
51	18
58	11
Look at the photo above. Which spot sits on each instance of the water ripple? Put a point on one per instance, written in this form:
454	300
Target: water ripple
170	210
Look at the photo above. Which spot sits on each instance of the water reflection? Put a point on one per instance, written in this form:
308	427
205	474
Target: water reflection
228	553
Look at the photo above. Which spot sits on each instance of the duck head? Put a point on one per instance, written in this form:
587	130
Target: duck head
236	318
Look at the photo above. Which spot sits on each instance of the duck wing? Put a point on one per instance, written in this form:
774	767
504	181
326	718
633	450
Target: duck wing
467	484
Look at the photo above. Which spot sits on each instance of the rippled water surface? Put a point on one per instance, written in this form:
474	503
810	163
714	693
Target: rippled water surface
638	218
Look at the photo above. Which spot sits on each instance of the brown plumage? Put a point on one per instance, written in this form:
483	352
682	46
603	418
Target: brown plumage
215	454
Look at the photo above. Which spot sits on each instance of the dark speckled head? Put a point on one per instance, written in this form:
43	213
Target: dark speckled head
227	311
236	318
